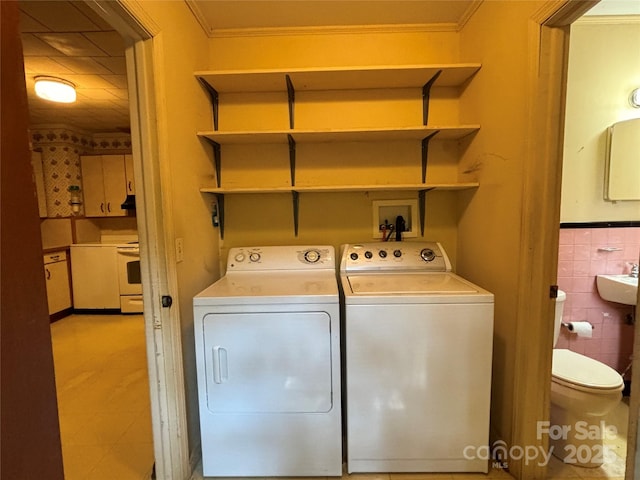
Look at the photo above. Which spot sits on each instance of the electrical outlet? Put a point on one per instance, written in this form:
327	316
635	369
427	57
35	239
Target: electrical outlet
179	250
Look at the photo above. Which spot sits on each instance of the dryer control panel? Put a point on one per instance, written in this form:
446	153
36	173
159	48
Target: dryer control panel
311	257
401	256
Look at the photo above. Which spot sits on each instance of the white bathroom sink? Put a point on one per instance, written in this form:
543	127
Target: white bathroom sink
618	288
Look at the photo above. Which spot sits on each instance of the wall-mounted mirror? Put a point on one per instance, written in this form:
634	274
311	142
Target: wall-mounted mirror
622	175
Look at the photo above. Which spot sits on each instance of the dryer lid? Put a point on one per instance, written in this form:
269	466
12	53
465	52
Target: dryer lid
583	371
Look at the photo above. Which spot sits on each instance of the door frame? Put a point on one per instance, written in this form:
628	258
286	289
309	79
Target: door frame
159	280
546	93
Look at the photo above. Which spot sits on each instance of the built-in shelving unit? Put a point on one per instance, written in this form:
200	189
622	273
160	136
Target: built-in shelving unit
340	78
409	187
340	135
326	79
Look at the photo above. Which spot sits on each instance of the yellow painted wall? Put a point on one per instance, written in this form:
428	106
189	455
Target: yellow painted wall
603	69
480	230
489	228
333	218
182	107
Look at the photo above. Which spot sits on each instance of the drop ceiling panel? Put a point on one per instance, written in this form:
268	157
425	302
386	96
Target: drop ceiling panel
120	81
83	65
89	81
116	65
109	42
72	44
96	94
59	16
45	66
123	96
32	45
29	24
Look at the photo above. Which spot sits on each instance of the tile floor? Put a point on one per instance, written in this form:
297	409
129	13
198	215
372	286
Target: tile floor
103	401
103	397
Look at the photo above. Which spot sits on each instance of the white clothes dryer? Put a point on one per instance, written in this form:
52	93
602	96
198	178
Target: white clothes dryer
418	341
267	338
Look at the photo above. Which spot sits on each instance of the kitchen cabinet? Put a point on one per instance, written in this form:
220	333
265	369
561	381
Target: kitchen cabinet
321	85
104	185
56	274
94	274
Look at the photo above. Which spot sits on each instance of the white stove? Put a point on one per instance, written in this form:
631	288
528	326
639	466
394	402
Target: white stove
268	363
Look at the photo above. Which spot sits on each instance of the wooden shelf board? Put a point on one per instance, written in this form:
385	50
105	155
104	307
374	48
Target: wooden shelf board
343	188
339	78
342	135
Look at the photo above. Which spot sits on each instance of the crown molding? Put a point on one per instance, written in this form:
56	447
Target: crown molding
202	20
608	20
333	30
468	13
328	30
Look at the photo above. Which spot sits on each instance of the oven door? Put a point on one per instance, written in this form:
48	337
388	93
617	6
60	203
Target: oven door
129	270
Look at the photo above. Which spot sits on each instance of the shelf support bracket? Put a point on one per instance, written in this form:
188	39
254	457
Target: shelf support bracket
217	159
291	95
426	92
220	201
422	201
292	159
213	94
425	154
296	210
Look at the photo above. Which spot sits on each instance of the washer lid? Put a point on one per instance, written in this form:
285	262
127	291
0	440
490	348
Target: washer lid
431	287
399	283
583	371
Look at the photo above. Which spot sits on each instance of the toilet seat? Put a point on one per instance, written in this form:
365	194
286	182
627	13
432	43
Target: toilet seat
583	373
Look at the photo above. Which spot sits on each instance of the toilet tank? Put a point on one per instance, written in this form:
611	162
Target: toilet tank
558	315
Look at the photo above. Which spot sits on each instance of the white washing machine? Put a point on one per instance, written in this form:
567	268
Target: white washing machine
267	340
418	342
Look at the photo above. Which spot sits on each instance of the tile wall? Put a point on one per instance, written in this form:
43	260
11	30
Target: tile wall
579	261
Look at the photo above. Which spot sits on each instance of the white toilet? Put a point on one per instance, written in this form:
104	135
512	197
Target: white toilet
583	391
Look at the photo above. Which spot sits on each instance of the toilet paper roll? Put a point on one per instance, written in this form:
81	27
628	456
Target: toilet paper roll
582	329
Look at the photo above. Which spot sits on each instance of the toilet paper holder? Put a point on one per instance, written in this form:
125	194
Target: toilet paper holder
569	327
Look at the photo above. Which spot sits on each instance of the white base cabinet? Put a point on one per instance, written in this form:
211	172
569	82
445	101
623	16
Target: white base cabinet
56	274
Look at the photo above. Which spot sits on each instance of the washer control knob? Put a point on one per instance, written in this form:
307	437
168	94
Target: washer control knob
427	255
397	253
239	257
382	253
312	256
254	256
354	256
368	254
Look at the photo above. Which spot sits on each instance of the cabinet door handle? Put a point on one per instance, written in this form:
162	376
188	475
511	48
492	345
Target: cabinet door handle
48	273
102	207
129	187
109	207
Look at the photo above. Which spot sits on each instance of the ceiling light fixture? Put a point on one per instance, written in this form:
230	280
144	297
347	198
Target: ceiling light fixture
55	89
634	98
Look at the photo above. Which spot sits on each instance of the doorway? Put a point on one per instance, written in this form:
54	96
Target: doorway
554	52
100	360
596	236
